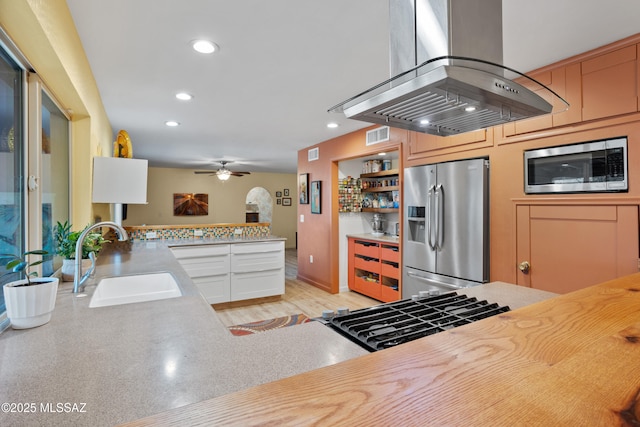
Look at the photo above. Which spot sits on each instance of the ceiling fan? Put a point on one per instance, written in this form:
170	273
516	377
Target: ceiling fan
223	173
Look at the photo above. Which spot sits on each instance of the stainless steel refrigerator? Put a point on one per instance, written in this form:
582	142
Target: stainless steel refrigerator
446	226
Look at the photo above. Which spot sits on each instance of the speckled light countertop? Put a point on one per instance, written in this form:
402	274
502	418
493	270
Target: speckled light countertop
385	238
107	365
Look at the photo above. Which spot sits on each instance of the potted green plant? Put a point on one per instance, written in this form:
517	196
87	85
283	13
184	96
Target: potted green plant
29	302
65	244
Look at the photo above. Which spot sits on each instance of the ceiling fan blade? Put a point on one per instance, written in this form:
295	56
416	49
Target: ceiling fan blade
237	174
209	172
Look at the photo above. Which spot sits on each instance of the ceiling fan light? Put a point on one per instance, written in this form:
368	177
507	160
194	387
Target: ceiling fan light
223	174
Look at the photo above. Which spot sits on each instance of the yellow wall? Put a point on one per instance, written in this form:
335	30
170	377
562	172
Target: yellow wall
45	34
226	199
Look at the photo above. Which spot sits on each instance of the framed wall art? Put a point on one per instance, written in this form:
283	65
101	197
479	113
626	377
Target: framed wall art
286	201
190	204
286	192
278	193
303	188
278	201
316	200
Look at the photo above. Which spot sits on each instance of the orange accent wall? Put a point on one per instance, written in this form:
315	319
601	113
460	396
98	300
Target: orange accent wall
318	234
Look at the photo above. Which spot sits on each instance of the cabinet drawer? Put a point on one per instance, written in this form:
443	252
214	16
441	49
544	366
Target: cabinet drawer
183	252
215	289
257	285
369	264
362	247
246	248
248	262
390	270
371	289
388	294
390	253
211	266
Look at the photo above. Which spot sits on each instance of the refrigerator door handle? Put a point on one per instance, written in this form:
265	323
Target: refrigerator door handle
433	281
430	194
439	193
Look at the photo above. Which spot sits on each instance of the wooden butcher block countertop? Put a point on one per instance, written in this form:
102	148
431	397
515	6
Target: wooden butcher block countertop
573	360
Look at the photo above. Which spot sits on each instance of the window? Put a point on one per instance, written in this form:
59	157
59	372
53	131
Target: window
54	177
34	155
12	224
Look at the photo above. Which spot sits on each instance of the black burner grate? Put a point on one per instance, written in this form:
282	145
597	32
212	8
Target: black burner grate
390	324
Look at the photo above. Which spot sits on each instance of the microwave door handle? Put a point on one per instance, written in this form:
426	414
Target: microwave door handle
429	208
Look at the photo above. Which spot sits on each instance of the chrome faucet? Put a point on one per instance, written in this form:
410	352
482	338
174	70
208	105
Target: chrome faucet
79	279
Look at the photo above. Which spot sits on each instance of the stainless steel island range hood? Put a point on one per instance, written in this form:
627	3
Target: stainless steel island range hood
447	73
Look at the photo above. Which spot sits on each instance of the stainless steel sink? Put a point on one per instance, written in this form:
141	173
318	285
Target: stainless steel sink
135	288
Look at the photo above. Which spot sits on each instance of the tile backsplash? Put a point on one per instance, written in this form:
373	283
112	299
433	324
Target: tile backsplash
210	231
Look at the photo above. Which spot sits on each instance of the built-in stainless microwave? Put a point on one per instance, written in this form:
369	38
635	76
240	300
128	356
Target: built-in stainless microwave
594	166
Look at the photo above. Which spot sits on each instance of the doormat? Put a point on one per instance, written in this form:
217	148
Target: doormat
267	325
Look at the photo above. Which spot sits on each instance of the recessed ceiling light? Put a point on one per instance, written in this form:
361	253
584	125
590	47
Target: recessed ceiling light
172	123
332	125
424	122
184	96
470	108
204	46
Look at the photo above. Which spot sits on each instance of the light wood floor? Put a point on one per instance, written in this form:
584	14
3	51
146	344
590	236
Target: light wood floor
299	297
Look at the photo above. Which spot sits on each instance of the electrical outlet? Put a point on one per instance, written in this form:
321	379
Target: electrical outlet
151	235
311	259
238	232
198	233
301	218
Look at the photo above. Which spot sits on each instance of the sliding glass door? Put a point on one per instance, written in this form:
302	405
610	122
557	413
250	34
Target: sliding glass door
34	166
12	200
54	177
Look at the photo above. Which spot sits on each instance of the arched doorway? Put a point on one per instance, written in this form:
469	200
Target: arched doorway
259	200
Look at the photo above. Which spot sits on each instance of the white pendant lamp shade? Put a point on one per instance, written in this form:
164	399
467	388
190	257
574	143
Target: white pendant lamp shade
119	180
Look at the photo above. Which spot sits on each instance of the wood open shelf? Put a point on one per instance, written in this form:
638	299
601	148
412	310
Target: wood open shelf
380	174
380	210
381	189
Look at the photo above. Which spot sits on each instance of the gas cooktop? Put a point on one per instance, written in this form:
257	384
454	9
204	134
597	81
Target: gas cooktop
391	324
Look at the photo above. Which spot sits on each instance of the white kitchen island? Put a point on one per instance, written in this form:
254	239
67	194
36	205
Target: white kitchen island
226	271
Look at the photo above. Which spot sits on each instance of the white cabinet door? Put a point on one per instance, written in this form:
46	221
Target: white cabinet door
208	267
257	270
215	289
257	284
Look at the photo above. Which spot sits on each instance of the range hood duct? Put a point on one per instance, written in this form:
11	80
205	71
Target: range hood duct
447	72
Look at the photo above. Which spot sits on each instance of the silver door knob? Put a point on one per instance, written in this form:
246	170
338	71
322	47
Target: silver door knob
524	266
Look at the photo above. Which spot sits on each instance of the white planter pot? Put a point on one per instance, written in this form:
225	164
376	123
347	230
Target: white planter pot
68	268
30	306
